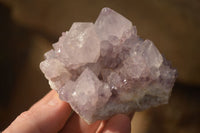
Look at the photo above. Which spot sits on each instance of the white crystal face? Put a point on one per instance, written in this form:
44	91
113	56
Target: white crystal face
110	23
103	69
55	72
79	48
86	87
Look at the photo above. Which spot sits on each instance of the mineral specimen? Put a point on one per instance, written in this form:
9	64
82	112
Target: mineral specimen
104	68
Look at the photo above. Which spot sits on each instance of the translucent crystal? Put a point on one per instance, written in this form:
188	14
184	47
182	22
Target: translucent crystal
78	48
104	68
110	23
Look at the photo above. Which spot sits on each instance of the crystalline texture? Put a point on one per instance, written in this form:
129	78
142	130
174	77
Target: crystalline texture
91	90
111	24
104	68
78	48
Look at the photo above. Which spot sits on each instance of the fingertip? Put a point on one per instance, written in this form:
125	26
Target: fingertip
51	113
130	115
118	124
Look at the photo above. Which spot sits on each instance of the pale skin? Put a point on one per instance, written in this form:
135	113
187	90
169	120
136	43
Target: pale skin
51	115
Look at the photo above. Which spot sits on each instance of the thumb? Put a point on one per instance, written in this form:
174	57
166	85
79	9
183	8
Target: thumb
47	116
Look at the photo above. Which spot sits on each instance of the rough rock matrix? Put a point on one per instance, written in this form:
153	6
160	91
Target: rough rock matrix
104	68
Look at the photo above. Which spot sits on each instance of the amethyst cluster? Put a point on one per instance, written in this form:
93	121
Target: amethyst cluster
104	68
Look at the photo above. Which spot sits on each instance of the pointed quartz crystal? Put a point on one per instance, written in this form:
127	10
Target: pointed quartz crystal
110	23
79	47
86	87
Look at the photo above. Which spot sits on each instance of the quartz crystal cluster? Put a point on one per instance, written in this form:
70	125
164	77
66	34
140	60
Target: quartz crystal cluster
104	68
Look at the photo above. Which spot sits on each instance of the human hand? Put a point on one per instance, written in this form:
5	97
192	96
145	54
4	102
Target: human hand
51	115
